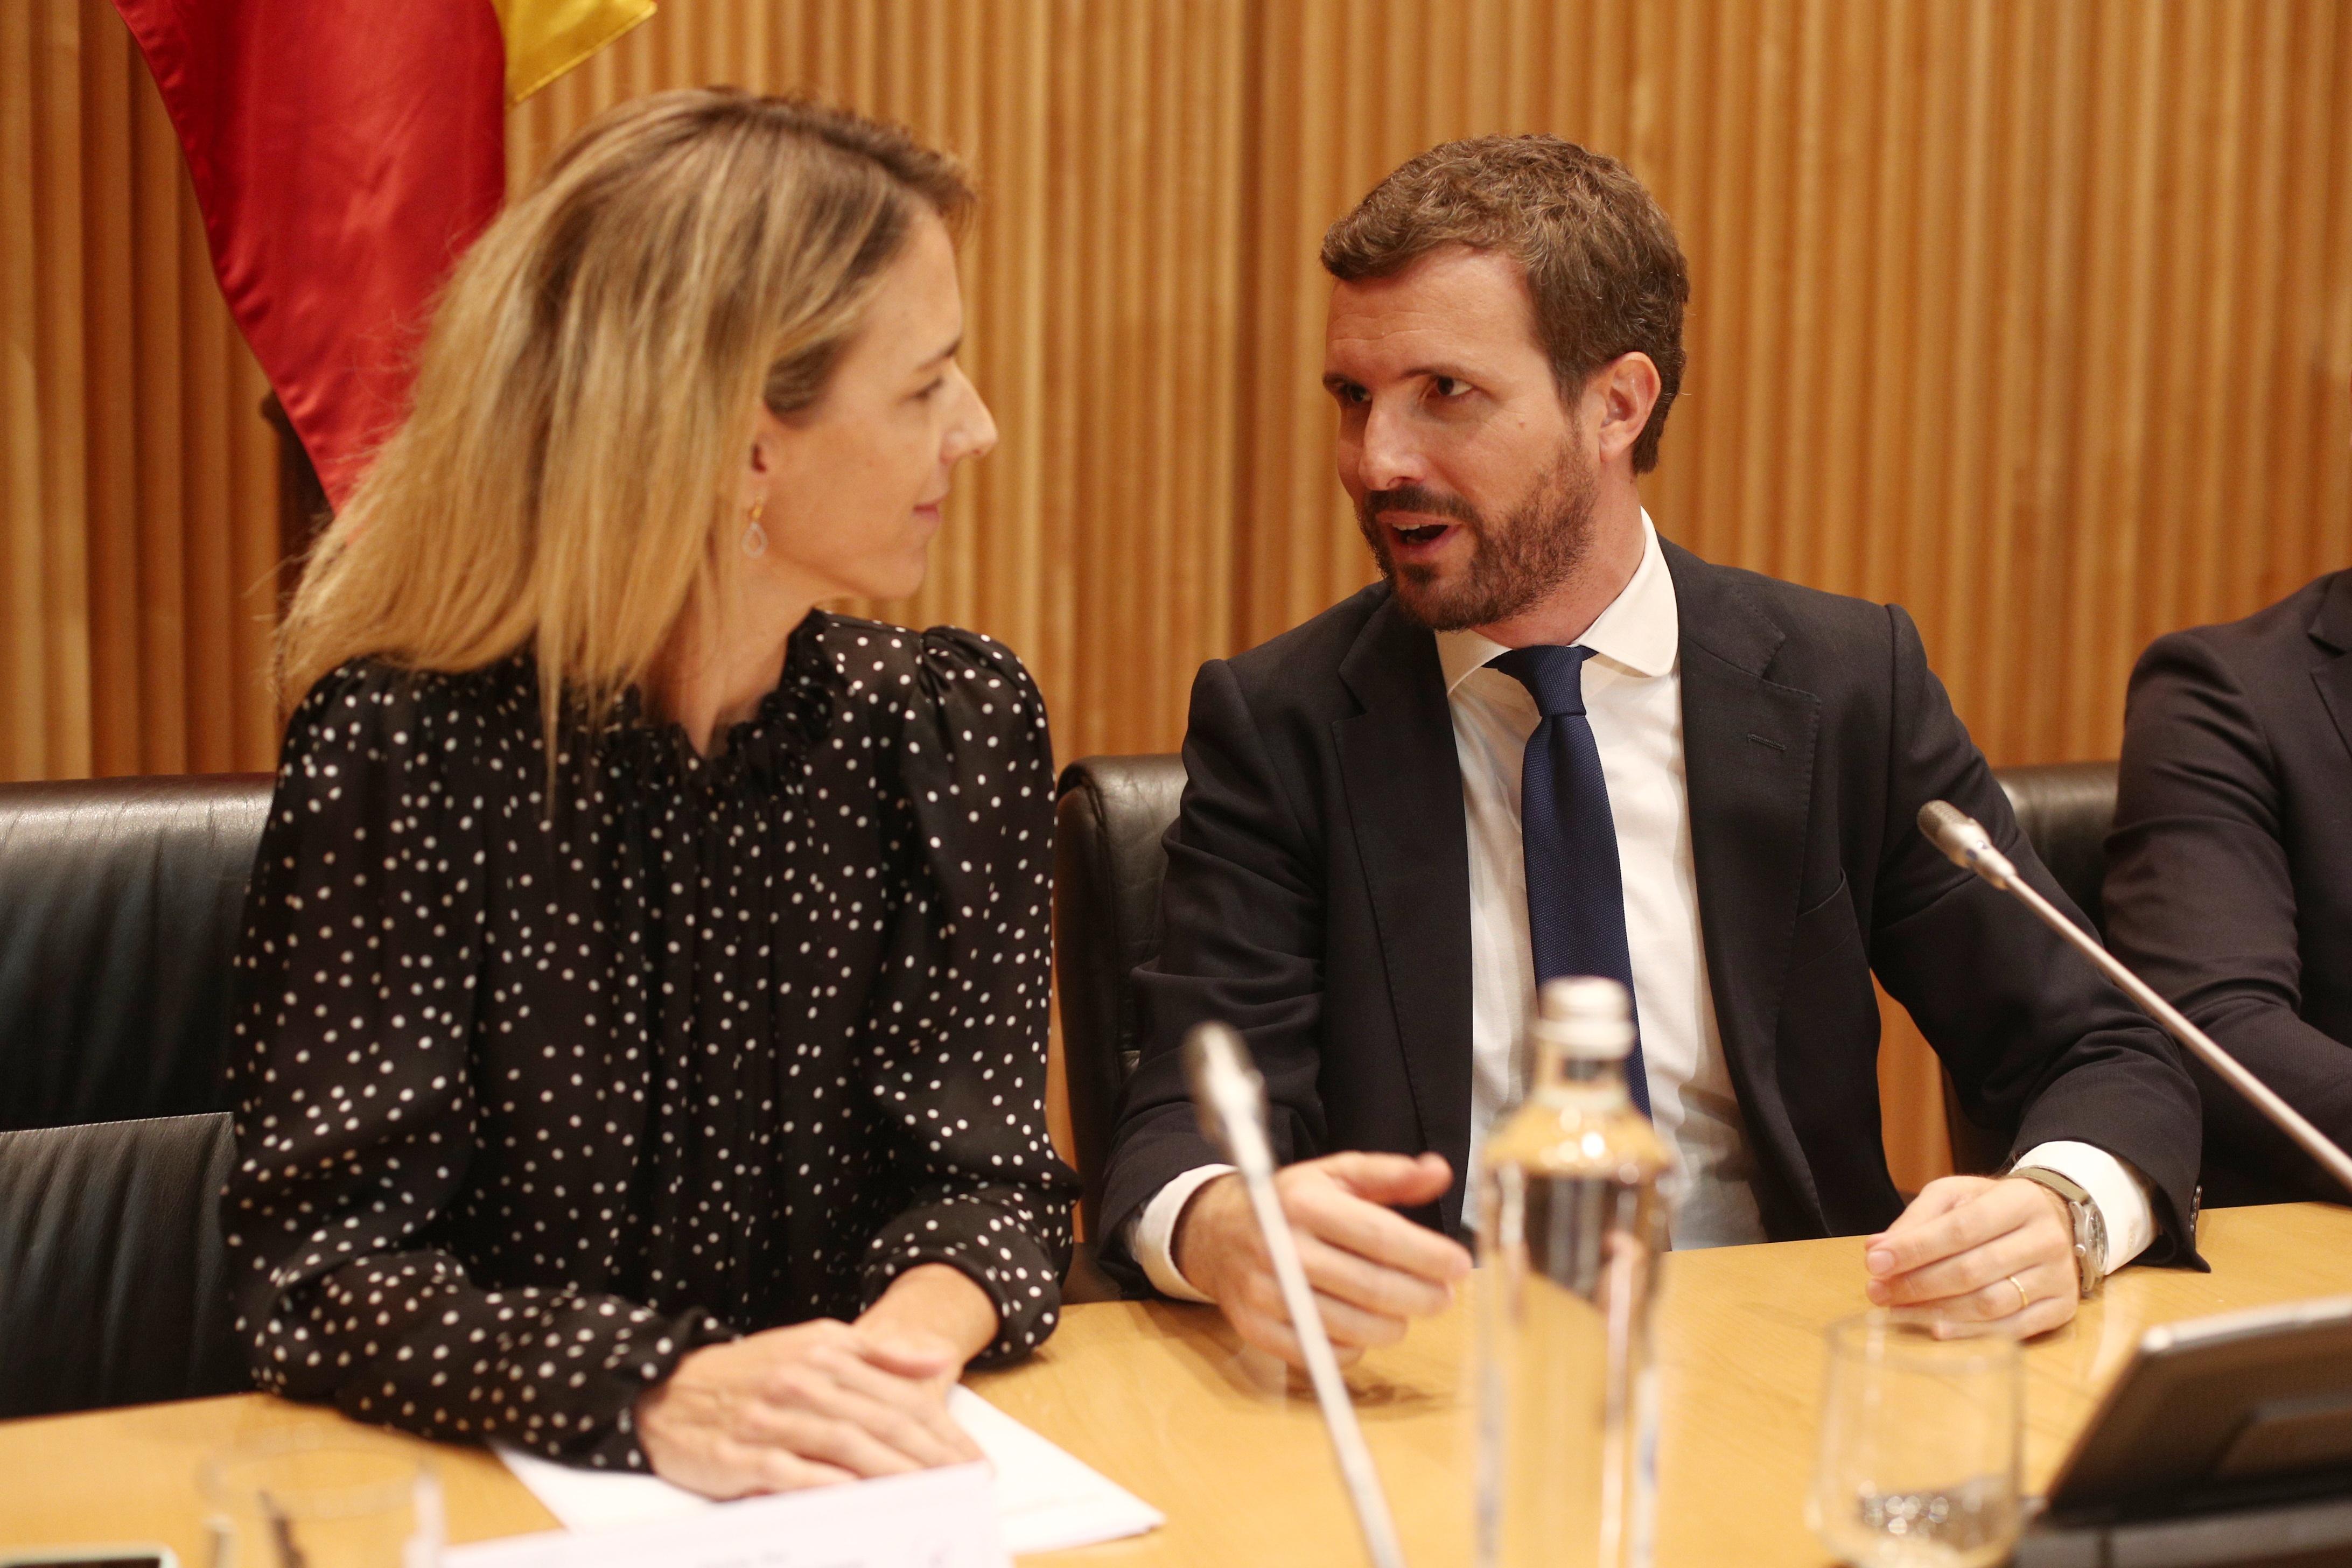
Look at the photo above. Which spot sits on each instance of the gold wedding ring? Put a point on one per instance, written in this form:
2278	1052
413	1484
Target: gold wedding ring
2023	1300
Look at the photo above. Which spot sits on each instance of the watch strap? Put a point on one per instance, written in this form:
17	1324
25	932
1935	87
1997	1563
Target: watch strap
2088	1225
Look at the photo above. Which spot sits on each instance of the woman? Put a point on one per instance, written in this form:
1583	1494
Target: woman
639	958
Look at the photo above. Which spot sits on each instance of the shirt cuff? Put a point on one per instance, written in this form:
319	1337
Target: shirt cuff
1151	1234
2120	1191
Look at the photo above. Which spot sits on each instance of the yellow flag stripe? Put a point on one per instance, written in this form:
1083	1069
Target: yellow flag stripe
547	38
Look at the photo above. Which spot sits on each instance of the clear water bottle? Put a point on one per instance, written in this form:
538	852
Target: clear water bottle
1574	1193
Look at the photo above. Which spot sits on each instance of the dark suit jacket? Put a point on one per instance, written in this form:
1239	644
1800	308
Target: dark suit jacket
2229	872
1318	898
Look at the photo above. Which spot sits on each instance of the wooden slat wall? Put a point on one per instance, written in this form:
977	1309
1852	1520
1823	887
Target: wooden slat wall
140	484
2035	315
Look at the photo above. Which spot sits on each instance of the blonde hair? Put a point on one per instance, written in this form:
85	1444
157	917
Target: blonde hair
586	390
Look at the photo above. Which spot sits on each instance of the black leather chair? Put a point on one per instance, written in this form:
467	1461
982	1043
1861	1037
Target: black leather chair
113	1284
120	904
2066	810
1109	860
1109	817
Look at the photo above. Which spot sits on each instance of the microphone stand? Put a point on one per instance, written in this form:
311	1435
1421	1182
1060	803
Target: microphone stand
1964	840
1231	1099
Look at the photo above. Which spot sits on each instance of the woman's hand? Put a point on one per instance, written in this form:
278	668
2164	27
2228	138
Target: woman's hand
932	1311
809	1405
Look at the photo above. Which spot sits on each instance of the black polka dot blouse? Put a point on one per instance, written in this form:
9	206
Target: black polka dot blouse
530	1108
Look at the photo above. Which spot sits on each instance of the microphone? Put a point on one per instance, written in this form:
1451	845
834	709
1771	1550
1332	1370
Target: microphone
1965	842
1229	1097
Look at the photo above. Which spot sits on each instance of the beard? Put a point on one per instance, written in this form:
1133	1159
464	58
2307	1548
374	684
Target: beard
1514	565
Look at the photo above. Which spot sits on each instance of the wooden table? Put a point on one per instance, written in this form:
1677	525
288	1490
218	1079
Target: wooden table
1159	1398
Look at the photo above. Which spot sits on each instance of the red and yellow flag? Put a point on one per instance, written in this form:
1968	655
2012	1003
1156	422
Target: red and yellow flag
544	38
344	153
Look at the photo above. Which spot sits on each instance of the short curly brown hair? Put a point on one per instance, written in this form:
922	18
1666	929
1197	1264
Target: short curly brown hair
1601	263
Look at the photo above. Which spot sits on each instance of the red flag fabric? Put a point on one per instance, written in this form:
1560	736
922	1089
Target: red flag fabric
344	153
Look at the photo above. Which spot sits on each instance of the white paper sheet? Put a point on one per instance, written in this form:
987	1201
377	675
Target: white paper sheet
1046	1500
936	1518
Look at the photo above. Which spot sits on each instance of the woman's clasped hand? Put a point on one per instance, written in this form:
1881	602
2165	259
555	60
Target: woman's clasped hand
823	1402
808	1405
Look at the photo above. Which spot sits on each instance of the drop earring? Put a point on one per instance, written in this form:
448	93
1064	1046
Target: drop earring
755	538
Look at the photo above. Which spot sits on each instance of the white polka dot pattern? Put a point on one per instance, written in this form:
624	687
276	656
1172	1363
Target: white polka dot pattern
531	1105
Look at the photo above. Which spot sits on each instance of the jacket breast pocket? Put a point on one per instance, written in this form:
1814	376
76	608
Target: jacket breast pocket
1827	938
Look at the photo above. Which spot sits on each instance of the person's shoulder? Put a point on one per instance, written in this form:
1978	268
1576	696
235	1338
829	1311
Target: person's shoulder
388	709
879	657
2246	646
1309	654
951	681
1809	638
373	742
1799	611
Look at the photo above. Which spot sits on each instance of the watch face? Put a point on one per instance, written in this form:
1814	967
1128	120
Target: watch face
2090	1243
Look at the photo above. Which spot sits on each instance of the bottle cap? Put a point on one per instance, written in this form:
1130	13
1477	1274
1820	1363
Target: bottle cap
1587	1017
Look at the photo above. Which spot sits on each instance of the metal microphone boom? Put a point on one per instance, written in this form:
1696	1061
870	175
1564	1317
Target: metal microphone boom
1964	840
1231	1099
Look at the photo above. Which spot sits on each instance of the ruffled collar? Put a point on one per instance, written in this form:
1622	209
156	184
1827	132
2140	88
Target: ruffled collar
770	745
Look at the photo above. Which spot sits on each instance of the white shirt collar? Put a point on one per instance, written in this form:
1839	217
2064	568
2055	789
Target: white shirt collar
1640	629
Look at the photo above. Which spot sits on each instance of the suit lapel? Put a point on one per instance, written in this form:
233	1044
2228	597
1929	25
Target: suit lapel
2331	629
1404	784
1747	748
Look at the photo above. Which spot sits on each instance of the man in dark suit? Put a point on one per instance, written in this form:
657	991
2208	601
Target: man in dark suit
1721	777
2229	872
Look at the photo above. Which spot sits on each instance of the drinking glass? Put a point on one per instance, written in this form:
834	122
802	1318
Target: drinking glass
302	1499
1921	1444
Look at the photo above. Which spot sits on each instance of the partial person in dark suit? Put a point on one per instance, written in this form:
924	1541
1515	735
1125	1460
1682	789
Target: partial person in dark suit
2230	871
1723	818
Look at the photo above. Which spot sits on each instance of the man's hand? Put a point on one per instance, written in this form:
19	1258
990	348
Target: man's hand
810	1406
1946	1263
1372	1269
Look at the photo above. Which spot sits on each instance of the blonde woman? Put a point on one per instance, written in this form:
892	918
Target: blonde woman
644	997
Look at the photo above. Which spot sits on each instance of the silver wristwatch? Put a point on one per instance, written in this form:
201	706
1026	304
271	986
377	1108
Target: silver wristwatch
2090	1226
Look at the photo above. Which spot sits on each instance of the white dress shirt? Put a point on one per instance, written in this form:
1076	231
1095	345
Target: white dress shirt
1632	697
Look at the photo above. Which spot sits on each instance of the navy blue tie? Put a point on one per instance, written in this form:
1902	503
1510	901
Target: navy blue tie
1576	894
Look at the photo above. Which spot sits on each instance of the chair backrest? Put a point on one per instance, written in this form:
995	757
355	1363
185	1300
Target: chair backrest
1109	860
2067	811
1110	819
119	905
113	1283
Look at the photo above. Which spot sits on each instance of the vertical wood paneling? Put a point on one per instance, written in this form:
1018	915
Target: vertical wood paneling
44	667
139	476
23	663
2034	315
